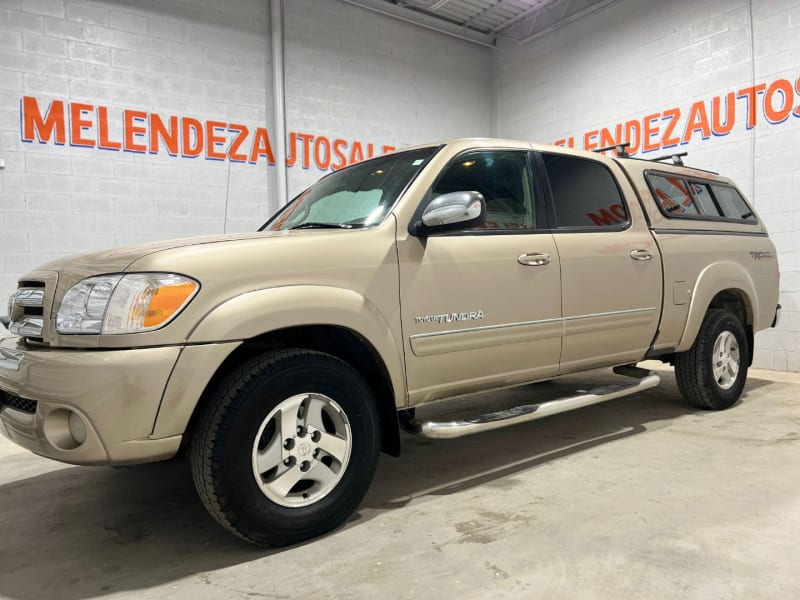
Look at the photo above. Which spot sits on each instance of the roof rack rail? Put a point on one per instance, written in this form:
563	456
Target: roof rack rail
676	158
620	149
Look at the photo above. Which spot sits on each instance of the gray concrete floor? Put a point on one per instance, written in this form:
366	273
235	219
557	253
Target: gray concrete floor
642	497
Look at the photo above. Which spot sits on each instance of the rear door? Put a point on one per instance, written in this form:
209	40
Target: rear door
611	278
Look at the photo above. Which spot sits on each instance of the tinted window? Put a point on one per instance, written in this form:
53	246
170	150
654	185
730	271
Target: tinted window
731	202
503	177
585	193
673	195
704	198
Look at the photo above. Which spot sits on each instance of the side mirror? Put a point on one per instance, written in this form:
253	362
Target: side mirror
452	212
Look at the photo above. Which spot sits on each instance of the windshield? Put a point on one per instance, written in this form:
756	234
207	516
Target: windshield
358	196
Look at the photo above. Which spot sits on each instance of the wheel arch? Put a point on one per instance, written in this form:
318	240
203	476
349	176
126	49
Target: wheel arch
722	285
331	320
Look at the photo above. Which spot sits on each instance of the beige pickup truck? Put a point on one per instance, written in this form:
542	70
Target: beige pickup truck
284	361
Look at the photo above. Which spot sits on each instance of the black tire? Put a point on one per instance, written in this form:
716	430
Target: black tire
223	448
694	369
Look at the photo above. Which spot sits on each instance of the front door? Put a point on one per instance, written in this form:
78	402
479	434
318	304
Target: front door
482	308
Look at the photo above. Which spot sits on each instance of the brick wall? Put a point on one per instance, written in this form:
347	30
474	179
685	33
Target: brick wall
632	59
351	74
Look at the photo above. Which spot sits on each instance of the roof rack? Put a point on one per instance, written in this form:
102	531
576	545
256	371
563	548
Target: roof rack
620	149
676	158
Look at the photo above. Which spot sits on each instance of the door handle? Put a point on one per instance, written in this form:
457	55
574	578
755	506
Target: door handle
534	259
641	254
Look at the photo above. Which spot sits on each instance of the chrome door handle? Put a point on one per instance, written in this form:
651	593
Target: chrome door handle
641	254
534	259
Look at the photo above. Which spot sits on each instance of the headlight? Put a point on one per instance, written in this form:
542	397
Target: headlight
124	303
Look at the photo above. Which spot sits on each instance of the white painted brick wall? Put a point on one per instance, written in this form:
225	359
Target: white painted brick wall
358	75
60	200
350	74
633	58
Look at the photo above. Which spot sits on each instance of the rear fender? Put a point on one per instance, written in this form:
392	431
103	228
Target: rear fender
716	278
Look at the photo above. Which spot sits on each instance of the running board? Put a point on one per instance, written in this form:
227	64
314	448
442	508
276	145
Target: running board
530	412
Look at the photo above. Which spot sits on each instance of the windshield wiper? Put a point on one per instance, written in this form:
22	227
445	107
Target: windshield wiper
314	225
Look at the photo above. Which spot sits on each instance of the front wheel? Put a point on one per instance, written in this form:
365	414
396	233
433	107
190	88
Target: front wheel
287	447
712	373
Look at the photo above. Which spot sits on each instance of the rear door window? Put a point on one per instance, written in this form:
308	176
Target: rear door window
585	193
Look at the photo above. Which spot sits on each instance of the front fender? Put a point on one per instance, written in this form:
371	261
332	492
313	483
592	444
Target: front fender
261	311
715	278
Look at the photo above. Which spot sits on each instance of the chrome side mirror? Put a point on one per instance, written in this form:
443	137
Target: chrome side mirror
451	212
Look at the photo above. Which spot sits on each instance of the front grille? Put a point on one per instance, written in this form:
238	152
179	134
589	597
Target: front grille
30	305
17	403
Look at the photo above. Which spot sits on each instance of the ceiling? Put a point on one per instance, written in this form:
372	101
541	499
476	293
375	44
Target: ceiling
483	21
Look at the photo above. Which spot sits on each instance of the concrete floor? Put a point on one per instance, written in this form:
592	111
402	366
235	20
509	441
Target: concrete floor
642	497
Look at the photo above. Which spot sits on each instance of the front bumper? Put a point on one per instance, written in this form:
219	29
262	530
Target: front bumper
85	407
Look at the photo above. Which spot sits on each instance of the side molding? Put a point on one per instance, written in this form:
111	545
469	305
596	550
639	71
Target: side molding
712	280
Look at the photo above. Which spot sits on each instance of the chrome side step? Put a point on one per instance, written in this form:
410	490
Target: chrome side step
530	412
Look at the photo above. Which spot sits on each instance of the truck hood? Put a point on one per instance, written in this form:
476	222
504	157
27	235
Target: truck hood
117	260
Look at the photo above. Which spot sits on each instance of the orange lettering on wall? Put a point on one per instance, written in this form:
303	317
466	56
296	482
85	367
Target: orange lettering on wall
42	128
262	147
633	134
306	138
386	149
697	121
133	128
610	139
103	140
213	138
649	130
589	140
77	123
750	94
717	126
339	146
159	132
797	88
191	137
322	153
241	132
356	153
668	140
783	87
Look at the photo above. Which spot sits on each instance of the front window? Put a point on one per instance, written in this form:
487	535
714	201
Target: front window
502	177
355	197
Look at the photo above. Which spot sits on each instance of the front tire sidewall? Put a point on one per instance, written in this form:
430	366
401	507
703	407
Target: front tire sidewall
246	507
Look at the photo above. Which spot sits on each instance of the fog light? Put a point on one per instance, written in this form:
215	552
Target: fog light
64	429
77	428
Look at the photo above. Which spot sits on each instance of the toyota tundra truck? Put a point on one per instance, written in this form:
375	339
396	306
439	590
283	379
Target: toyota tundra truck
284	361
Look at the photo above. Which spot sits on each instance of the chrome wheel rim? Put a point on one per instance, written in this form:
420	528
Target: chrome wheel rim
726	360
301	450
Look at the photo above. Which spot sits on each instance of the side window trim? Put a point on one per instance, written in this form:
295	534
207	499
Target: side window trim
544	177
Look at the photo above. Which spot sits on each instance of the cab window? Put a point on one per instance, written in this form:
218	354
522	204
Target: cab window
502	177
585	193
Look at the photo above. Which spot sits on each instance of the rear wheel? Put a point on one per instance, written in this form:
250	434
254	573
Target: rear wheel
712	373
287	447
